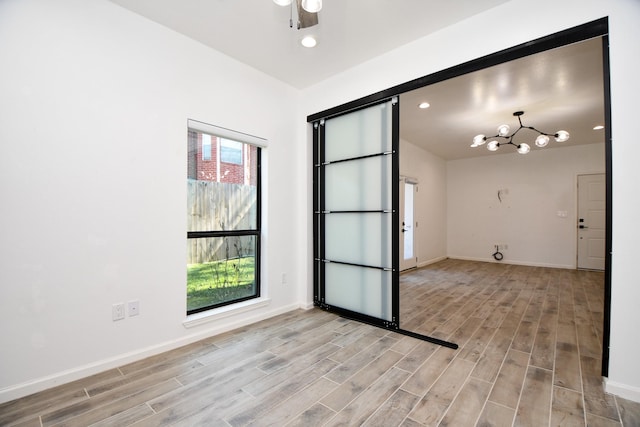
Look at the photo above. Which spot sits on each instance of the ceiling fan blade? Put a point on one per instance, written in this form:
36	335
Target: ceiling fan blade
305	19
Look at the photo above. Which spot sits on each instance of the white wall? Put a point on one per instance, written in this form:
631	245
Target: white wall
481	35
430	203
534	188
89	80
95	102
460	215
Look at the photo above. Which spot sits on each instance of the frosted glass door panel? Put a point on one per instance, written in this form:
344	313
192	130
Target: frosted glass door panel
360	133
363	184
359	239
354	208
363	290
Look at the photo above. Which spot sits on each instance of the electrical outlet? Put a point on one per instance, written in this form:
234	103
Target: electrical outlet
134	308
117	311
284	278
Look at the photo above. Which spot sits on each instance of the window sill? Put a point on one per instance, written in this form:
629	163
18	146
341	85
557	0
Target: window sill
220	313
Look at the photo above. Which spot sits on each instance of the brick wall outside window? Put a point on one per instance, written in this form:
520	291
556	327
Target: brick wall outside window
206	170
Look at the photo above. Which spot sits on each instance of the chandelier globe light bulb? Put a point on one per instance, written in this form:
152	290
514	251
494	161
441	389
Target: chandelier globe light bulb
503	130
524	148
282	2
562	136
479	140
493	145
542	141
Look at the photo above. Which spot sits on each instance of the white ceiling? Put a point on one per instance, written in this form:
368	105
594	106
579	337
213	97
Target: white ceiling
257	32
560	89
557	89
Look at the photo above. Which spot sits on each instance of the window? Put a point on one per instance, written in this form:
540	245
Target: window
223	220
206	146
230	151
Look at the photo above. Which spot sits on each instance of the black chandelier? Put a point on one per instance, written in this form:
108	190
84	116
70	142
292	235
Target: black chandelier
523	148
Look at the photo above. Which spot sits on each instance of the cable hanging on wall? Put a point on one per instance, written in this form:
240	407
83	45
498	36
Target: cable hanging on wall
497	255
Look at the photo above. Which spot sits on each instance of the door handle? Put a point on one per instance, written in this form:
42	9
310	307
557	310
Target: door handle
582	226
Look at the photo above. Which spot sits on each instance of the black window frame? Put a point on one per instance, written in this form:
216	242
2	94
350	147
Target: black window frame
256	233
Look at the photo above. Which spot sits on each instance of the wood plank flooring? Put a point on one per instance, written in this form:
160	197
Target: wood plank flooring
530	347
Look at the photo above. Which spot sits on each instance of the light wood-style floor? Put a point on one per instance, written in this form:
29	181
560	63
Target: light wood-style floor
530	347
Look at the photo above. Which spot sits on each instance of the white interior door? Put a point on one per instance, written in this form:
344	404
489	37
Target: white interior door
591	221
408	258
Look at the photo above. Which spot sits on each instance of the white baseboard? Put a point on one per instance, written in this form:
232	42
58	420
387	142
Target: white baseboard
623	390
431	261
24	389
511	262
307	306
514	262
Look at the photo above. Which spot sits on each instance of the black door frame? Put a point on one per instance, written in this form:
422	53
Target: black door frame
319	215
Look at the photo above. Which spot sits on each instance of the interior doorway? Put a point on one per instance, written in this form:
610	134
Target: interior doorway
596	30
408	256
424	127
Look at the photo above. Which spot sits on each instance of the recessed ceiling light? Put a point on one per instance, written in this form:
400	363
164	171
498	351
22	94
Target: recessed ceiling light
424	105
598	127
309	41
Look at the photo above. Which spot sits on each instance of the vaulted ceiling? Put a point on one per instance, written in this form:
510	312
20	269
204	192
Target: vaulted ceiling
257	32
557	89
